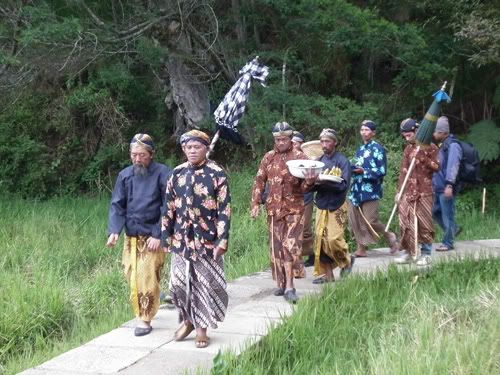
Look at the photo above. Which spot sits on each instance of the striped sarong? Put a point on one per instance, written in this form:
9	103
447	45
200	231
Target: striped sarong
198	290
142	268
422	209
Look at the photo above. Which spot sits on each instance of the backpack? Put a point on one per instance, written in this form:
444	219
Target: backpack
469	164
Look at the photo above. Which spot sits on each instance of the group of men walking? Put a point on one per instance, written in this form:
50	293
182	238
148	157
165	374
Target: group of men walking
186	211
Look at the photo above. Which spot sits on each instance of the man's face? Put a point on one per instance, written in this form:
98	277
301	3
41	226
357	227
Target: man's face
328	145
296	145
439	136
140	156
409	136
366	133
282	143
195	151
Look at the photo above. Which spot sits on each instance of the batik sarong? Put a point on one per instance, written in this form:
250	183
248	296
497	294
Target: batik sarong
329	239
421	209
285	245
142	268
198	290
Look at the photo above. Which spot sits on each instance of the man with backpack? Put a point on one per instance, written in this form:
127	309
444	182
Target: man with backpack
446	182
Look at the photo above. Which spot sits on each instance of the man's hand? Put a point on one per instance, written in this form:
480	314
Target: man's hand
358	171
448	192
112	239
153	243
218	251
310	176
254	212
397	198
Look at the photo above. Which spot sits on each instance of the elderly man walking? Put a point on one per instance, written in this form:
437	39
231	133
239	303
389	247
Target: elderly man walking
445	184
330	248
195	229
138	196
366	191
285	210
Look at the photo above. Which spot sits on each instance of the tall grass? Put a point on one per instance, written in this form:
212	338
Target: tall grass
61	286
444	321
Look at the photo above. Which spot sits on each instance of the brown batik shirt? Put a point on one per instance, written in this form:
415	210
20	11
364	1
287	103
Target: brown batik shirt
420	182
285	192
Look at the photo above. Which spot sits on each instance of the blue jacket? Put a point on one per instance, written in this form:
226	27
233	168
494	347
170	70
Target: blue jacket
449	156
137	201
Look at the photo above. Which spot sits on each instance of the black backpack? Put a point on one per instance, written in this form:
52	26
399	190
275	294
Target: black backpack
469	164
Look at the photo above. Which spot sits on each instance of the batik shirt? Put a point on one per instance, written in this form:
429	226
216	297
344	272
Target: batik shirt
285	192
137	201
420	181
367	186
198	210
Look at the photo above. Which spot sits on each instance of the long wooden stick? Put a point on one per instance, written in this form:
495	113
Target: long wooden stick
400	193
212	145
484	201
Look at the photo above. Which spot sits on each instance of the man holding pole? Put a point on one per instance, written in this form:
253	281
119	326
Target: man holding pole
366	191
415	201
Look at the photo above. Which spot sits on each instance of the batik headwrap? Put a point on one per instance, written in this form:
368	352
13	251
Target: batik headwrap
297	137
143	140
369	124
328	133
408	125
282	129
195	135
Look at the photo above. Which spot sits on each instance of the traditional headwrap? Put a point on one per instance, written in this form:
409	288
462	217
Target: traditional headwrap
281	129
195	135
297	137
328	133
408	125
369	124
143	140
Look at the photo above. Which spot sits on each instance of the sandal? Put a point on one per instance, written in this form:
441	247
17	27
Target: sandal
183	331
322	280
443	248
201	342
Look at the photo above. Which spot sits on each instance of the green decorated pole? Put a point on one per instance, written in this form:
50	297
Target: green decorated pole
428	124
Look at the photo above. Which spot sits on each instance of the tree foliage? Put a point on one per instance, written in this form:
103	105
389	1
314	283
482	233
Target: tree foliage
80	77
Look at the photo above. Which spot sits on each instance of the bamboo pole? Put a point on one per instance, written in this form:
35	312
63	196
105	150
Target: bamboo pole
212	145
400	193
484	201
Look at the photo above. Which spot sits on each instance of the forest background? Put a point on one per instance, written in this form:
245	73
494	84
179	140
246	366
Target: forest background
80	77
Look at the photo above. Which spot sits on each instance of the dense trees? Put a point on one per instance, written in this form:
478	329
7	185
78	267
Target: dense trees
80	77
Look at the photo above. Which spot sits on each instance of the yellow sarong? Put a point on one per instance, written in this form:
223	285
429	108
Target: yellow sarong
329	239
142	268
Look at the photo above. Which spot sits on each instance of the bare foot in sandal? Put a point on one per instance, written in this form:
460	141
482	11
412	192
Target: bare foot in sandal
202	340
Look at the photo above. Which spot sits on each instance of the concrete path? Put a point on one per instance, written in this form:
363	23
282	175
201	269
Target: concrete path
252	312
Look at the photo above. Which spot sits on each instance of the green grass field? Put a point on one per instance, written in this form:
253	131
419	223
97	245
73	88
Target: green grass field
62	287
442	321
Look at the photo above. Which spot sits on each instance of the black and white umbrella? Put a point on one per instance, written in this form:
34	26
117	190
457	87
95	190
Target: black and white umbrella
231	109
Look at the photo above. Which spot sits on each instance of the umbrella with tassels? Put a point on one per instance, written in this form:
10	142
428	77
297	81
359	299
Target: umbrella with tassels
423	137
231	109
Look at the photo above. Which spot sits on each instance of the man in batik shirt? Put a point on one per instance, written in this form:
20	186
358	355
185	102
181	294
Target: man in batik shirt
195	229
136	203
308	237
285	210
330	248
368	174
415	202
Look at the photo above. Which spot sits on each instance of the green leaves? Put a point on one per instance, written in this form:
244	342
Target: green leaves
485	136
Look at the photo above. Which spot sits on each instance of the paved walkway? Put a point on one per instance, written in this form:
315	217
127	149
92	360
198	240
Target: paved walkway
252	312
